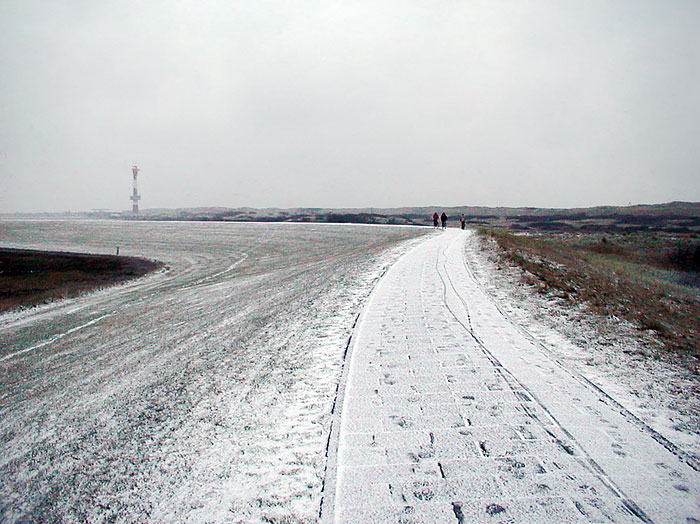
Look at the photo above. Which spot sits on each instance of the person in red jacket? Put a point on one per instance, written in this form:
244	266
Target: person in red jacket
436	217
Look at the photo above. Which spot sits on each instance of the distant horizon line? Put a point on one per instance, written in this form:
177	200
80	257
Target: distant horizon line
358	209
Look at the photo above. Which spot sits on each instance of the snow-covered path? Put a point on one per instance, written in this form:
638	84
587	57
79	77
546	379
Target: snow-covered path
452	413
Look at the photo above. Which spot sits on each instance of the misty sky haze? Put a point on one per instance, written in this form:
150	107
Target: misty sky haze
558	103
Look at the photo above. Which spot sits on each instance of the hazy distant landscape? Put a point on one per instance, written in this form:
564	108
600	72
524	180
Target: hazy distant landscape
673	217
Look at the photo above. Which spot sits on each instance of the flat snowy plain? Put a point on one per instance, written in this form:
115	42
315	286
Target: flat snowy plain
202	393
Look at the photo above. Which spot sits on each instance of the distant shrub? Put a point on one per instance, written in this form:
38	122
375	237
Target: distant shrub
605	247
686	257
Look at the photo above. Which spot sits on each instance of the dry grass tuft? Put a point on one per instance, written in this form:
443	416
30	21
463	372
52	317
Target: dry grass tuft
647	279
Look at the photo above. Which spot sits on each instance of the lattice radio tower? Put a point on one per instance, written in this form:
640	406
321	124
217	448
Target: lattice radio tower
135	197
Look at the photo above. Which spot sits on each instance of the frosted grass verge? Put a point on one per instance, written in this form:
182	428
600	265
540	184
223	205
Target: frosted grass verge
610	352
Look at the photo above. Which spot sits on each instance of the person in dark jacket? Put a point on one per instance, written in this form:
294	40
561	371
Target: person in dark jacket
443	219
435	220
463	220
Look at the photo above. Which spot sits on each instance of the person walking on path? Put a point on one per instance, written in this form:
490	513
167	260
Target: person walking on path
435	219
463	220
443	219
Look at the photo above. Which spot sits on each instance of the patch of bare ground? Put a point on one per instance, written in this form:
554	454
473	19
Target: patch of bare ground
29	277
650	280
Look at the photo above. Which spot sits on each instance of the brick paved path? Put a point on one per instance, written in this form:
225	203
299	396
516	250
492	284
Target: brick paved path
452	413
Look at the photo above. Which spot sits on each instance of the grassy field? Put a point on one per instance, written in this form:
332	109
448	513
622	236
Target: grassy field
30	277
649	279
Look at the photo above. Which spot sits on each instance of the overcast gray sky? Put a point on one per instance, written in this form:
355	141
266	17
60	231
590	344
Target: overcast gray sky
548	103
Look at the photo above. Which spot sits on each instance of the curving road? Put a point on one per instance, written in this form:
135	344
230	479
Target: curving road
452	412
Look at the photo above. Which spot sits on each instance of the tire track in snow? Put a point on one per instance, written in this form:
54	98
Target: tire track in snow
589	464
643	426
220	273
55	338
441	422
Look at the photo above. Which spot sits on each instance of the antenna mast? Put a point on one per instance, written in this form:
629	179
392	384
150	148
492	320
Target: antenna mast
135	197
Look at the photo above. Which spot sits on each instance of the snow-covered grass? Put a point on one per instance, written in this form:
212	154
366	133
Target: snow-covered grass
198	394
638	277
611	352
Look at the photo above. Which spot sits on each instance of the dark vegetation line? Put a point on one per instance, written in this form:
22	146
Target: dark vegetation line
673	217
651	280
29	277
554	222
